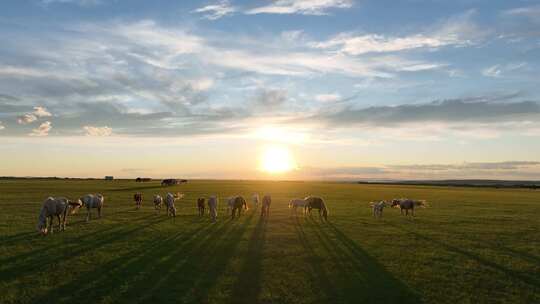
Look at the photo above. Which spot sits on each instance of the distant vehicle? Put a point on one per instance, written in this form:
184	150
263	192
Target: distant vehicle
143	179
109	177
172	181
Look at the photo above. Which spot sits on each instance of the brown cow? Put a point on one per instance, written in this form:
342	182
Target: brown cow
266	201
237	204
314	202
408	204
138	198
200	205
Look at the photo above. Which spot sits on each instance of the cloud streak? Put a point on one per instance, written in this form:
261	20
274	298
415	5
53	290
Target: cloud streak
303	7
457	31
449	111
466	170
215	11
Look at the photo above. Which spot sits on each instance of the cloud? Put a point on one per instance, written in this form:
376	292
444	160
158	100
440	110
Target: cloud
1	126
41	112
38	112
493	71
465	170
456	31
215	11
42	130
142	78
201	84
531	12
507	165
327	97
26	118
303	7
97	131
497	70
471	110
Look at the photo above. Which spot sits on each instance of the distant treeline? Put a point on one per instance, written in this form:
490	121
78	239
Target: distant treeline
56	177
463	183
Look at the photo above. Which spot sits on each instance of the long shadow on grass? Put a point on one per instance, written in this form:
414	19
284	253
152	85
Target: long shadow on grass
525	278
248	284
54	239
111	278
328	292
39	259
360	278
531	258
201	265
177	268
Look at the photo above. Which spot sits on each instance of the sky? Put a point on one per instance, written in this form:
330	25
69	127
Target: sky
324	89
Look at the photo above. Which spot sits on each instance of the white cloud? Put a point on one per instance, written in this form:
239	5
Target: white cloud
498	70
304	7
41	112
327	97
356	45
143	69
21	72
216	11
493	71
531	12
456	31
2	126
97	131
26	118
42	130
201	84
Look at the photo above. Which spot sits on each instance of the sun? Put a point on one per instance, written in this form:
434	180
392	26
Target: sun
277	160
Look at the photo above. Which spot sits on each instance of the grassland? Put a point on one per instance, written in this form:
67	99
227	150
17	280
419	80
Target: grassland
474	245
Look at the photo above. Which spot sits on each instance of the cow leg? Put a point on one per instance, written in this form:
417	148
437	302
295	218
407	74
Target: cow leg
87	214
59	222
99	212
51	224
64	218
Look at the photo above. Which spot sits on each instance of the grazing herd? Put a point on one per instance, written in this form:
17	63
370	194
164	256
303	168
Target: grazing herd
60	207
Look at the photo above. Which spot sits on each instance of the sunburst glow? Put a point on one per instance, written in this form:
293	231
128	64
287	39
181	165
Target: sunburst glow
277	160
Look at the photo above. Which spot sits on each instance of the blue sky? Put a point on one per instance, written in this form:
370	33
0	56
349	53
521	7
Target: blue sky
351	88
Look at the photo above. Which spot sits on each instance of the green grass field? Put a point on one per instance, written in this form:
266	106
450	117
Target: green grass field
473	245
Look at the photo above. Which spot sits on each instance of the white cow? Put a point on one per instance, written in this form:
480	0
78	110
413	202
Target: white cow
213	205
169	200
298	203
92	201
378	208
158	202
54	207
230	204
255	199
